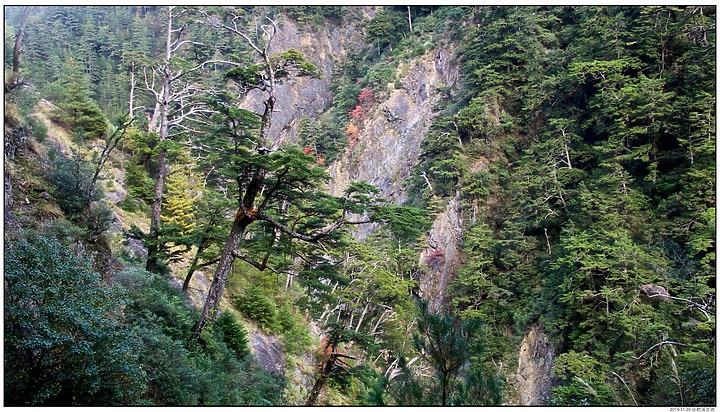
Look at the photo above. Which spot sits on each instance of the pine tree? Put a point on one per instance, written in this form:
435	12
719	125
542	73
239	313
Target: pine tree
78	109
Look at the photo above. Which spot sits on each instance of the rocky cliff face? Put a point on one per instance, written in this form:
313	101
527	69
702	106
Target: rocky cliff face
305	96
442	256
389	142
534	379
388	147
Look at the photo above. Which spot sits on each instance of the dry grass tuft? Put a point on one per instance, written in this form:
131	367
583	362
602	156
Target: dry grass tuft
49	211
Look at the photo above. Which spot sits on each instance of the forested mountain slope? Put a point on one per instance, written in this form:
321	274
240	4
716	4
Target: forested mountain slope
344	205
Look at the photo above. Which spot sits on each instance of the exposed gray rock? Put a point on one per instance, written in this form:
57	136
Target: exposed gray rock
10	222
303	96
535	361
136	249
268	352
442	257
389	141
118	192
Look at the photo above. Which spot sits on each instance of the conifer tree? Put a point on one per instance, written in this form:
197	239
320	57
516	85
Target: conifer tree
78	109
178	203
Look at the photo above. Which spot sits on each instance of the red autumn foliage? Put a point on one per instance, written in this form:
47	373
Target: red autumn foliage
308	150
358	113
436	258
366	97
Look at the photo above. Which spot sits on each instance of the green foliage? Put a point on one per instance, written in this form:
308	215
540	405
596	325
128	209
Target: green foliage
688	379
441	160
78	109
582	147
326	138
592	177
179	372
259	307
445	344
295	61
71	177
233	334
315	16
290	62
39	129
386	28
65	338
296	336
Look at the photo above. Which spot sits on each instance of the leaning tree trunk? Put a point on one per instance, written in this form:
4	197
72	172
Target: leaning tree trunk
217	287
320	382
191	271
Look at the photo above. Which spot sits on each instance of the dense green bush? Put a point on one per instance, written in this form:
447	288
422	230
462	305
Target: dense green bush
254	304
70	340
325	138
65	340
182	371
296	337
70	176
689	379
386	28
76	107
39	129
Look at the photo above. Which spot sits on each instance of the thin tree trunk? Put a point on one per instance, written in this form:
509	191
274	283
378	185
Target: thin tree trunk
154	247
132	90
409	19
444	391
191	271
362	317
15	79
152	264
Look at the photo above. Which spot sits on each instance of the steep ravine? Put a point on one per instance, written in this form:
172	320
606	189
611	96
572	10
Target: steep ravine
389	140
388	148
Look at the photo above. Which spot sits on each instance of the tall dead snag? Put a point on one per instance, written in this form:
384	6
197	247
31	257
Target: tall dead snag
176	105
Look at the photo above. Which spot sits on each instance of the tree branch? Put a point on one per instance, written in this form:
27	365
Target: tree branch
688	301
256	265
665	342
308	238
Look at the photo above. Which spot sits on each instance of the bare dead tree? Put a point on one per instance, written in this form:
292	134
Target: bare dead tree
111	143
176	105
